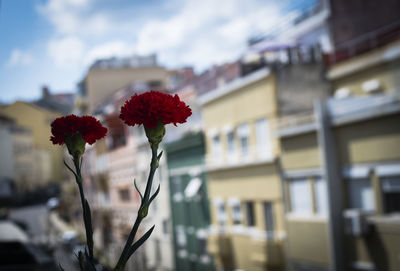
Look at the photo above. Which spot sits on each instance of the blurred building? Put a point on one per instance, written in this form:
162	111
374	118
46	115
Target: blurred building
7	169
340	162
180	77
107	76
243	178
26	166
352	154
32	165
37	120
189	202
60	102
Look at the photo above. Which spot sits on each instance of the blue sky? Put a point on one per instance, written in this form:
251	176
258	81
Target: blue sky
52	42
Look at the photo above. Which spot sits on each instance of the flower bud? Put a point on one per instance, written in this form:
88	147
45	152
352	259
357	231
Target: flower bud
156	134
75	144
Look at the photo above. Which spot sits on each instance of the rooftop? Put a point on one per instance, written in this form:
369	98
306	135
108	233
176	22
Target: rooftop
125	62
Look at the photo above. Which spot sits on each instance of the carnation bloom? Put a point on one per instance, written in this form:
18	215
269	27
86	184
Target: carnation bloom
153	107
89	128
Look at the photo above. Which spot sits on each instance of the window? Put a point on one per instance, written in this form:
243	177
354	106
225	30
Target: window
269	219
221	212
165	226
321	196
250	214
118	139
231	142
202	246
154	84
176	185
264	146
391	194
124	194
180	236
361	195
216	147
243	134
236	212
300	196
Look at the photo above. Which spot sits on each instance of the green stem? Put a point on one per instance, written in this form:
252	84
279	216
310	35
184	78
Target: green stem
86	213
142	213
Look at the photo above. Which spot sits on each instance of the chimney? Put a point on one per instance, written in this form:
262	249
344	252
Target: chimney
45	92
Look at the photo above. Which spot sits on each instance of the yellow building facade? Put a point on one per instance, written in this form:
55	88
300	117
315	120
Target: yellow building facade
243	178
345	163
101	83
38	120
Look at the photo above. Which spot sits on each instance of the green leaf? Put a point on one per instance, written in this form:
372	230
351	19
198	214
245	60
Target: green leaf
139	242
70	169
89	228
154	195
137	189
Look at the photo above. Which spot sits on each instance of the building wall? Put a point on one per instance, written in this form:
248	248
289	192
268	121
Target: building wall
308	241
295	148
370	141
362	147
249	103
381	64
38	121
352	19
253	182
307	77
101	83
7	155
26	175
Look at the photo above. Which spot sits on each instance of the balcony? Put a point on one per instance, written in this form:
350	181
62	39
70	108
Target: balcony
341	111
253	155
289	125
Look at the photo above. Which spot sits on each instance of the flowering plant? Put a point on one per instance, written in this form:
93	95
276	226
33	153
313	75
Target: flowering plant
151	109
73	130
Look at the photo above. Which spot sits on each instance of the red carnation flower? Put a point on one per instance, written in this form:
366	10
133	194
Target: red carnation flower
151	107
88	127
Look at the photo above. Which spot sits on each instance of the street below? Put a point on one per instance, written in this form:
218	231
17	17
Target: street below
36	220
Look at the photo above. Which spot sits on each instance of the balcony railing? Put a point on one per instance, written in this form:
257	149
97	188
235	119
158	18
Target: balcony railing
364	43
295	120
239	157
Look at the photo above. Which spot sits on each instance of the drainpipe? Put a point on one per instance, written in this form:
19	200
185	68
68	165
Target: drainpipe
331	171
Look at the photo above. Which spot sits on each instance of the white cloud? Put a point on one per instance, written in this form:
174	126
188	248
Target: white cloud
206	32
66	52
199	33
74	17
19	58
